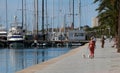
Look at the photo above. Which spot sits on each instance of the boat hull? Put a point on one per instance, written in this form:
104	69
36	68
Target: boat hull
16	45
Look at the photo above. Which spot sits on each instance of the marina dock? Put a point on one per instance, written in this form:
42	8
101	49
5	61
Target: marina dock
27	43
106	61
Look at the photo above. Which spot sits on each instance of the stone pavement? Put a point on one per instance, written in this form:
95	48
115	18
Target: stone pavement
106	60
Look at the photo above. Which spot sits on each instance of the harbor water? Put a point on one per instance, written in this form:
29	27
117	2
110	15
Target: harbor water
12	60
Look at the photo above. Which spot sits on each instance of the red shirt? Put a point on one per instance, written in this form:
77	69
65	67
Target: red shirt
91	44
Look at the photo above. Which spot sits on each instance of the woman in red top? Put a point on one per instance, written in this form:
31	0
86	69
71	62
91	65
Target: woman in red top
91	48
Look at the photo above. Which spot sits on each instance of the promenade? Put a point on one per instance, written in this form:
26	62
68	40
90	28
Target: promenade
106	60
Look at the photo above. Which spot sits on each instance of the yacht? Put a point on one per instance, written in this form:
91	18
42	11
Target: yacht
15	34
76	35
3	33
57	36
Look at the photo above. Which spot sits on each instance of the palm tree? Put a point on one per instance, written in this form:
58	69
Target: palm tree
118	7
109	14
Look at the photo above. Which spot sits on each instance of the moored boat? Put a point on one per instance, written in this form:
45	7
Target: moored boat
15	34
3	33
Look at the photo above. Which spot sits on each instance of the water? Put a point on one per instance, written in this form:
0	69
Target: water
12	60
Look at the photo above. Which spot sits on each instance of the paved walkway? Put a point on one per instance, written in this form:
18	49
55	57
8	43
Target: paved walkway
106	60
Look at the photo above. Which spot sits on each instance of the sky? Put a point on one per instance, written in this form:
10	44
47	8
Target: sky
58	12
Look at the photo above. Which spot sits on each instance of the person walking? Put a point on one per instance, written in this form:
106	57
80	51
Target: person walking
115	42
91	47
102	42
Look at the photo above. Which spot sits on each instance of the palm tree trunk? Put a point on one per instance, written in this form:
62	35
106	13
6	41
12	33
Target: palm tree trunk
118	45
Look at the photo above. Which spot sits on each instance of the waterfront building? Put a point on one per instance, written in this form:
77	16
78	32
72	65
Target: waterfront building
95	22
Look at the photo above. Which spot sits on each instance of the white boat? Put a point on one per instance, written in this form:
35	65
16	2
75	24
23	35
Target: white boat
76	35
57	36
3	32
15	34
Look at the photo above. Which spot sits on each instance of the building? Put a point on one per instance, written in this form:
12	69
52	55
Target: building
95	22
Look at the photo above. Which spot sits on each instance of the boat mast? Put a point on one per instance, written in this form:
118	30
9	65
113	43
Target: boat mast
79	1
25	16
73	15
53	17
59	13
22	15
43	20
6	16
70	11
35	19
46	17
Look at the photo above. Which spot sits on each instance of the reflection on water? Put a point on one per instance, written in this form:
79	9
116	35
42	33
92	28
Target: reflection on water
12	60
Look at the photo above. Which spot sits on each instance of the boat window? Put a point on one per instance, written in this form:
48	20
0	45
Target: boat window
78	34
16	37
